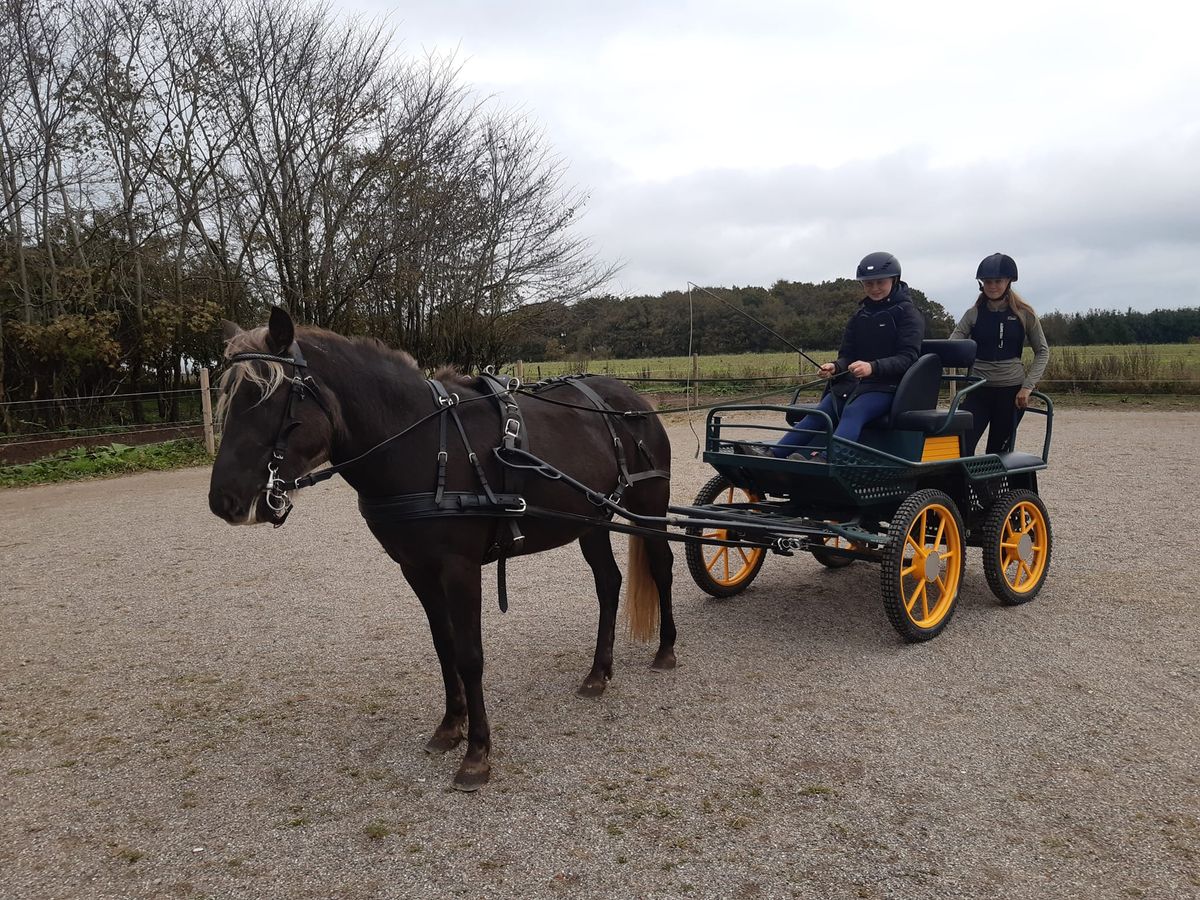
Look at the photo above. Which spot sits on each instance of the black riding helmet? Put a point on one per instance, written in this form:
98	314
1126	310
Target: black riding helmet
878	265
998	265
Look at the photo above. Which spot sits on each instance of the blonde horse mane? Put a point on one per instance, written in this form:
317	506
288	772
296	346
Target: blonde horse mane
267	377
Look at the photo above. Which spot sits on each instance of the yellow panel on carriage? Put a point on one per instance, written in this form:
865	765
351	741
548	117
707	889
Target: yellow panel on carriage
939	448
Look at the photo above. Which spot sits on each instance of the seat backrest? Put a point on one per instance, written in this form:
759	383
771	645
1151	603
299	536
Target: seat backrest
953	354
920	386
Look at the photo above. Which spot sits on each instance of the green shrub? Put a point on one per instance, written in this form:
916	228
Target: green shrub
110	459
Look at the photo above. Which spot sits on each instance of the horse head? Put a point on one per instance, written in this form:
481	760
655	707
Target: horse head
278	423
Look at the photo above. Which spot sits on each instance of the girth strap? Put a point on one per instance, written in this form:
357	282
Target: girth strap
427	505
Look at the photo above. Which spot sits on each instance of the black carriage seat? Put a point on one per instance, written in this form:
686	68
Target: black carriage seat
914	408
914	415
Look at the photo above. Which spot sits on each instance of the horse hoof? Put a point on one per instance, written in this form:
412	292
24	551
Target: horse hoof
470	780
664	661
592	687
443	741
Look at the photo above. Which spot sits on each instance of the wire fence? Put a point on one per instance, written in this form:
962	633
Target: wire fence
36	428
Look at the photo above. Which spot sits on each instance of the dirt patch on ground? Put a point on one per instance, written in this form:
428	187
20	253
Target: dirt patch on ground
193	710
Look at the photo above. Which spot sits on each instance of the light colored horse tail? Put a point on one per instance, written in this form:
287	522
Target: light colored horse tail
641	593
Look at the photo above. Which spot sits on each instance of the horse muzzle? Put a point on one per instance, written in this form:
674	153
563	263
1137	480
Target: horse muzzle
260	507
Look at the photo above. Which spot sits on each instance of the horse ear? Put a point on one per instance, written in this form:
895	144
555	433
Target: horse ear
280	329
229	330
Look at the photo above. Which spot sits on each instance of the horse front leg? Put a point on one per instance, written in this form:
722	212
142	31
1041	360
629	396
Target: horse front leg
597	550
451	730
461	586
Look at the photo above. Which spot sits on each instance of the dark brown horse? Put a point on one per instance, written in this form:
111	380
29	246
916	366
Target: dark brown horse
346	396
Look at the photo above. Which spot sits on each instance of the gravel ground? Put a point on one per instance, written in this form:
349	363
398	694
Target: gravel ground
194	710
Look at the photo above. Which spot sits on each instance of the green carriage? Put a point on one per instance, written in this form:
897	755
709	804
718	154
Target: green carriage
903	496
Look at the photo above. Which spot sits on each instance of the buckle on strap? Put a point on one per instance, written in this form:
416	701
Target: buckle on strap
512	428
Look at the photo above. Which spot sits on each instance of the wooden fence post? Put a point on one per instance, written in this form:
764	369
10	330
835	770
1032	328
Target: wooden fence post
695	375
521	370
210	443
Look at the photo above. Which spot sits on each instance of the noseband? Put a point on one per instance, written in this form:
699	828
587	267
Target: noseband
302	386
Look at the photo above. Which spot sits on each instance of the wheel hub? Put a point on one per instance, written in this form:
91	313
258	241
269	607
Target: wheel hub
933	566
1025	549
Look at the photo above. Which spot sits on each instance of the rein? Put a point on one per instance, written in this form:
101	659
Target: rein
533	391
302	386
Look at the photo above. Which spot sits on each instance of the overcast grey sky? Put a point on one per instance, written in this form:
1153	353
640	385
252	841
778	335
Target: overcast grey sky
740	143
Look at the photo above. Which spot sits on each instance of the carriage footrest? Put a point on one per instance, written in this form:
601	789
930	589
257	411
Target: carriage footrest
1018	460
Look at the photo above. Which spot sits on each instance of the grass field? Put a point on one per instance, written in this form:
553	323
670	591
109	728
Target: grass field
1102	368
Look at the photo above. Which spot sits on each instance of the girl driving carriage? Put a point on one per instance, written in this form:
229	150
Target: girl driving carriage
881	341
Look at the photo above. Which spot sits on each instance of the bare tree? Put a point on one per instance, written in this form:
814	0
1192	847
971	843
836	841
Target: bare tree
164	159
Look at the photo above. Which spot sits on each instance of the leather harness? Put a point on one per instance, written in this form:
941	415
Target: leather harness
505	507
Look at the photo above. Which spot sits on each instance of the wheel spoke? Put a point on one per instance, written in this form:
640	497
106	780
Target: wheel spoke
924	599
724	551
742	553
917	548
911	601
937	538
904	573
924	526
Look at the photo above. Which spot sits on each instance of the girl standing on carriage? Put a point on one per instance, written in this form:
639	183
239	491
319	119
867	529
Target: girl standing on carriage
1000	323
882	339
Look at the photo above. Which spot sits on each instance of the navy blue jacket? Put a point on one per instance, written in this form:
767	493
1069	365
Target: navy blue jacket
888	335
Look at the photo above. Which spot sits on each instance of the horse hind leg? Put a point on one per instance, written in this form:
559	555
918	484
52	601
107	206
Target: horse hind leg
651	563
662	561
597	550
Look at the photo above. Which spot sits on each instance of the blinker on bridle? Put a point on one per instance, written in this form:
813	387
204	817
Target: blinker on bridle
302	385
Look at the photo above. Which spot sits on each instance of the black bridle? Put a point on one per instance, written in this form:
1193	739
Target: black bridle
301	387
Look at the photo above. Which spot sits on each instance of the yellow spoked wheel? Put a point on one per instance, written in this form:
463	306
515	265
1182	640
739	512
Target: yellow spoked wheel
718	570
1017	541
835	560
923	565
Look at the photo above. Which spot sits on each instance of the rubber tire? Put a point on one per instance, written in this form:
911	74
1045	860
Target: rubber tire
694	552
832	560
893	560
993	530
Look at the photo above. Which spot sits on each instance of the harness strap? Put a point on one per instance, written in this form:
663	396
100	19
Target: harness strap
625	479
512	437
443	399
450	401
